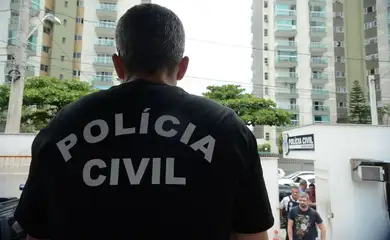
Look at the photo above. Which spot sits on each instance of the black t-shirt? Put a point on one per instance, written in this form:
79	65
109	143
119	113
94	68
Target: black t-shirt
304	227
144	161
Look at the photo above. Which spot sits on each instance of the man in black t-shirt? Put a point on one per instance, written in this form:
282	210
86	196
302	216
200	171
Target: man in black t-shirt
303	221
146	160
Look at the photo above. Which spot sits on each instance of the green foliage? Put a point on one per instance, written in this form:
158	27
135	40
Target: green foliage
280	144
266	147
359	111
252	110
43	98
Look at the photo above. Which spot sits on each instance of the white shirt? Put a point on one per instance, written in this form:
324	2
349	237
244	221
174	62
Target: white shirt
285	201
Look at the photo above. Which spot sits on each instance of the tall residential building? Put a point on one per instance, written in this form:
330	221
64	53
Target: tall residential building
296	68
361	49
79	48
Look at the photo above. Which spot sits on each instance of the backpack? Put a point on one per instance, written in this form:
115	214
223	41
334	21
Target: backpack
291	203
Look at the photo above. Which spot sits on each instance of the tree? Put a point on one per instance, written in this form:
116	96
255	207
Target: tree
43	98
280	144
266	147
252	110
359	111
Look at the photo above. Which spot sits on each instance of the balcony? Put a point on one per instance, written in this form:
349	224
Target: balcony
320	110
105	46
13	47
286	77
14	23
286	93
318	62
318	16
318	47
107	12
105	29
285	30
293	108
108	1
319	94
319	78
286	2
102	81
286	61
321	3
317	32
103	64
285	45
285	14
321	121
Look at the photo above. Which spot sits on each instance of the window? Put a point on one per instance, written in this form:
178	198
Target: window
370	9
78	37
266	61
340	74
62	58
80	20
76	73
266	18
44	68
369	25
339	29
341	105
64	22
266	46
266	76
267	136
338	44
373	71
66	3
265	4
341	89
80	3
63	40
266	90
338	14
371	40
10	57
47	30
46	49
61	76
77	55
339	59
373	56
265	32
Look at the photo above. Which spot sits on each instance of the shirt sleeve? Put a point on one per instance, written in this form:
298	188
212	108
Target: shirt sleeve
31	212
318	218
252	211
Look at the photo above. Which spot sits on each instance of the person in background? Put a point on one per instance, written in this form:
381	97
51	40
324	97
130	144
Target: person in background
285	206
303	221
302	185
312	196
145	159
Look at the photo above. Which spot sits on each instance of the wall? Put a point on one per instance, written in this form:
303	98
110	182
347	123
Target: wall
270	165
355	205
15	152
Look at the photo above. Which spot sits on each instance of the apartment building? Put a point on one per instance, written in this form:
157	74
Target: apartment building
361	46
79	48
296	53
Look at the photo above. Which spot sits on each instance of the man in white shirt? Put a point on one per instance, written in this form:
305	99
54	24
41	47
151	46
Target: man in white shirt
286	204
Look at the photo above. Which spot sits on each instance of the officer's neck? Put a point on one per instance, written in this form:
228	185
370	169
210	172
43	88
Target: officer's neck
159	77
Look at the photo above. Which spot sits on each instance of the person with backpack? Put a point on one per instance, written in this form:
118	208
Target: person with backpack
286	204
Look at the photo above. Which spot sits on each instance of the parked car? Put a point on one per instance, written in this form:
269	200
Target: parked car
281	173
7	220
292	178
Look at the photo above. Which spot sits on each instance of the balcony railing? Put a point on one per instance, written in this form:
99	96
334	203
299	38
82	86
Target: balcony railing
319	60
320	108
105	25
317	1
319	92
318	45
102	60
292	59
105	42
102	78
319	29
286	27
286	43
285	12
108	7
287	90
14	20
286	75
319	76
318	14
293	107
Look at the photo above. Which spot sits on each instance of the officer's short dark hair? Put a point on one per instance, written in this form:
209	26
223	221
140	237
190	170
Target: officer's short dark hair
150	38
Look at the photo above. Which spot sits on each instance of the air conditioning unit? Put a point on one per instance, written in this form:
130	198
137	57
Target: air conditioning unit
369	173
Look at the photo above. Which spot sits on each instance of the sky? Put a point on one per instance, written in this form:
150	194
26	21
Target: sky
212	27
